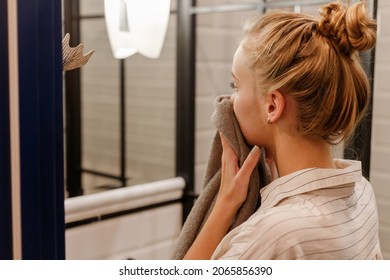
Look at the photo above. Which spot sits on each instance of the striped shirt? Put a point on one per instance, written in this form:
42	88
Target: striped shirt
310	214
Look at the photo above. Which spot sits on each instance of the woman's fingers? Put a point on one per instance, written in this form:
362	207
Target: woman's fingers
249	163
229	158
227	149
235	180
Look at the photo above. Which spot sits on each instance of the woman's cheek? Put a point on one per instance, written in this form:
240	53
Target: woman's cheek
239	111
239	108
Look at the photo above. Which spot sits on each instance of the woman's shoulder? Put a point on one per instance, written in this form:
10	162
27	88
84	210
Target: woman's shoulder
265	233
310	226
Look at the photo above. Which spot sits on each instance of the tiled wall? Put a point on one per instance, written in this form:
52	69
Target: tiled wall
148	234
380	145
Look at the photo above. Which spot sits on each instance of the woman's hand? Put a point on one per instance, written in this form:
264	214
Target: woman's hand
232	193
235	180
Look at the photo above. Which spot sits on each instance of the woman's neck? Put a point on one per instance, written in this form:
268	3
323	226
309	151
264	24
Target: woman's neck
295	154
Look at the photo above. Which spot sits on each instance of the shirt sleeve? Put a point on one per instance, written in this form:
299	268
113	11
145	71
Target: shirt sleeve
233	244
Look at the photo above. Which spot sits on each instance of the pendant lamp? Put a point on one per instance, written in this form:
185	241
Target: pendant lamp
136	26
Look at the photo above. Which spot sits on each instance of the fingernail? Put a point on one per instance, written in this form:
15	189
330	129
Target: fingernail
255	150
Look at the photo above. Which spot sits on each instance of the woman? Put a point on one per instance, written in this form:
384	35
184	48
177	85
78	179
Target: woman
298	90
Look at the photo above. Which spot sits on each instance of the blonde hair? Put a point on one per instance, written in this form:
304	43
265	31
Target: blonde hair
316	61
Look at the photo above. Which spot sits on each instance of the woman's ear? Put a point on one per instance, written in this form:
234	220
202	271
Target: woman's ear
275	105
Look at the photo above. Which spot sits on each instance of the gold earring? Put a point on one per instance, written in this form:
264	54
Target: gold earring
269	121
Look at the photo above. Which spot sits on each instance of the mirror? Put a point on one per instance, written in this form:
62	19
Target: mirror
121	117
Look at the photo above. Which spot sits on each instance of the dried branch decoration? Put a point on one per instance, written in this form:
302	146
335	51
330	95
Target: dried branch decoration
73	58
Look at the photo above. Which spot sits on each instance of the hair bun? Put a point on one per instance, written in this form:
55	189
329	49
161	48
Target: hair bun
351	28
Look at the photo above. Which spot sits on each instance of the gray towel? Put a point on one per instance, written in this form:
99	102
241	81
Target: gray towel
225	122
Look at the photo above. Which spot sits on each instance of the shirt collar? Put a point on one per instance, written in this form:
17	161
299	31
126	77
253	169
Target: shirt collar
306	180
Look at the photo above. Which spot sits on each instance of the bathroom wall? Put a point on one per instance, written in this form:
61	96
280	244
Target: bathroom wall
124	223
380	145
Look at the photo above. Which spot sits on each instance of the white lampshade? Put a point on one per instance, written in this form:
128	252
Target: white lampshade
136	26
